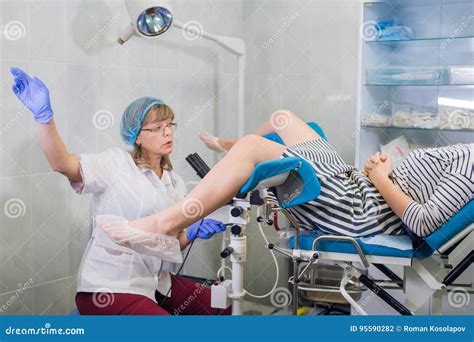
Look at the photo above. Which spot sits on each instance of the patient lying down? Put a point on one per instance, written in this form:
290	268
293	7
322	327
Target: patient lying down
420	195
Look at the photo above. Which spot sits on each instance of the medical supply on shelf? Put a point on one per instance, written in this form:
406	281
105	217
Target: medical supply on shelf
377	120
461	74
415	75
389	30
397	149
455	118
402	115
425	117
380	115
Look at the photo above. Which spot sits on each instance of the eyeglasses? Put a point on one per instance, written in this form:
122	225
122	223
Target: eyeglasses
172	126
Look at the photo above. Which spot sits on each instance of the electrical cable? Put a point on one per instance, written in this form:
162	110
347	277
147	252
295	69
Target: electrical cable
277	278
181	267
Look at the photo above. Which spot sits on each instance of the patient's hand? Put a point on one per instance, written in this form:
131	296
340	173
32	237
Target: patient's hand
377	166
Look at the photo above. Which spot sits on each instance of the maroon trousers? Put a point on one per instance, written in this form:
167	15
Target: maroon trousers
187	298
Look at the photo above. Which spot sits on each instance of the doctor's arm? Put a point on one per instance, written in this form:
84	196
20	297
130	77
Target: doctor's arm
34	94
202	229
183	240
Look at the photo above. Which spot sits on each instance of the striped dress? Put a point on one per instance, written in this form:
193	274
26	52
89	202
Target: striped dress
439	180
350	205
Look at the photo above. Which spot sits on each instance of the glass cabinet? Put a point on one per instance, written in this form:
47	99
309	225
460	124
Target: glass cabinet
416	75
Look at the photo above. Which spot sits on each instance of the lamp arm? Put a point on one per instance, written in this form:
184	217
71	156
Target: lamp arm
126	34
234	45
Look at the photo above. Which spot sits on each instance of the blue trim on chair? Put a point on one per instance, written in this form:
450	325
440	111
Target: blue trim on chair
269	169
317	129
446	232
306	243
456	224
276	138
311	186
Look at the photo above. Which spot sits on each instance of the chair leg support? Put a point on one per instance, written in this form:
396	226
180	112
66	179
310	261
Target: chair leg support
388	272
348	274
295	288
459	269
395	304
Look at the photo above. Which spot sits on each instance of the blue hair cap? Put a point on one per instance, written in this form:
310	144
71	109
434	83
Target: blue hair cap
133	116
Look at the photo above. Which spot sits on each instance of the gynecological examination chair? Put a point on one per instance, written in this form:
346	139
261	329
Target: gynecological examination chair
430	265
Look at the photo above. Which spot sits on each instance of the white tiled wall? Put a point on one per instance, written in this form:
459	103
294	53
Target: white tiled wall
71	45
302	55
310	68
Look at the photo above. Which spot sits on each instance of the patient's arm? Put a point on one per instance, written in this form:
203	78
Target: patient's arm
450	195
378	168
394	197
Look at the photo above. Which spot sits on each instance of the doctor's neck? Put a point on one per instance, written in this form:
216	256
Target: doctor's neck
155	161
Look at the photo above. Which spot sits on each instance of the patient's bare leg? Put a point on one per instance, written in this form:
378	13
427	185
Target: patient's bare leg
286	124
216	189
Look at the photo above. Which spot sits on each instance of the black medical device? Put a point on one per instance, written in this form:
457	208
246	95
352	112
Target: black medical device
201	169
198	164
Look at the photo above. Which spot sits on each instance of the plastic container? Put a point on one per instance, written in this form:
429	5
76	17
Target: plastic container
379	116
461	74
455	118
425	117
407	76
402	115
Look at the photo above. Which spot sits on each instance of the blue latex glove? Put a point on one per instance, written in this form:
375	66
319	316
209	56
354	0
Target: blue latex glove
204	230
33	93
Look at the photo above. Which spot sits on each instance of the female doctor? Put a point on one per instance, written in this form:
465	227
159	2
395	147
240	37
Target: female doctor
113	279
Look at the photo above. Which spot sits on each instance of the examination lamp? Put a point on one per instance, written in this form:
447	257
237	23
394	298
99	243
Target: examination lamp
148	19
153	18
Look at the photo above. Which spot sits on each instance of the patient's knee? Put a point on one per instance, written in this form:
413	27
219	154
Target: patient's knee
247	145
282	118
248	140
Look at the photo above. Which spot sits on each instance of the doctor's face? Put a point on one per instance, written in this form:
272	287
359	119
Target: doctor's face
157	137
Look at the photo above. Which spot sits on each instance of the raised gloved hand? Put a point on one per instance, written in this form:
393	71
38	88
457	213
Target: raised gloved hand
204	230
33	93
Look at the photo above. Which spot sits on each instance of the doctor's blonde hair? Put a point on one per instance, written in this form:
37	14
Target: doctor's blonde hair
159	112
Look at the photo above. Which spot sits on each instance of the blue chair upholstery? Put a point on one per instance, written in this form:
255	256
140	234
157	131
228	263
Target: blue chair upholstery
306	243
455	224
428	245
311	186
276	138
309	179
439	237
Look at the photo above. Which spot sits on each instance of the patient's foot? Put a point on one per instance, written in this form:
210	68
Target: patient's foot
214	143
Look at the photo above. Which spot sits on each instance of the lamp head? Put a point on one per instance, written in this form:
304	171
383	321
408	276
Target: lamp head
149	18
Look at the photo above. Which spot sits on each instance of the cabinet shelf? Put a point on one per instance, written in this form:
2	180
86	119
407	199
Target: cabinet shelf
418	3
415	68
417	85
427	39
418	128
